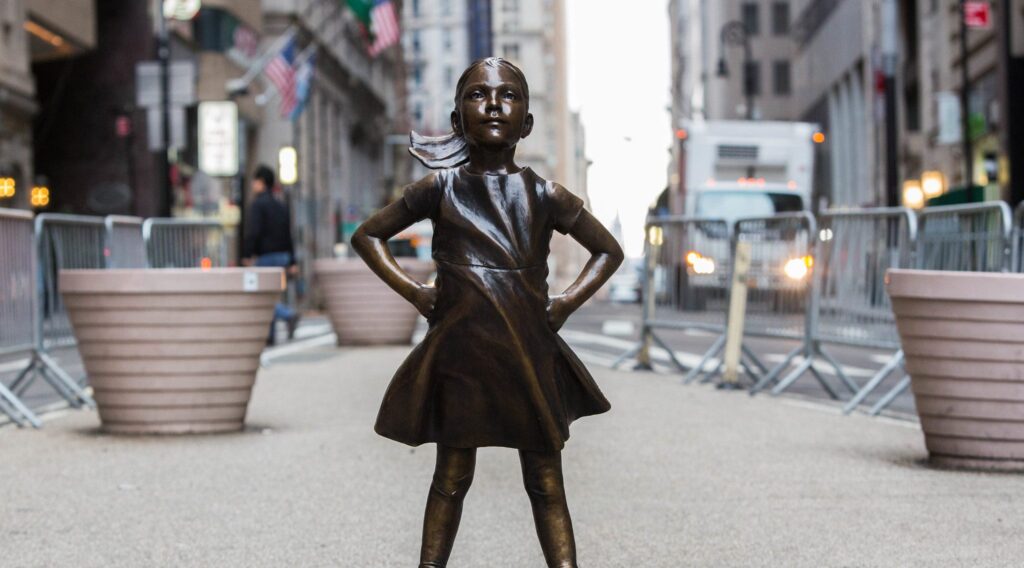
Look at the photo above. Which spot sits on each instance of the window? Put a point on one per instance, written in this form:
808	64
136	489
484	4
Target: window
752	78
780	18
417	115
510	25
416	8
447	39
416	42
510	51
446	7
417	75
509	5
751	18
449	76
781	78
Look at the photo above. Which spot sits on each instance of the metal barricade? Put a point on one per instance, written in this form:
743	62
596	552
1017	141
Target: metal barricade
781	299
61	242
853	252
17	303
125	246
185	243
1017	248
687	265
964	238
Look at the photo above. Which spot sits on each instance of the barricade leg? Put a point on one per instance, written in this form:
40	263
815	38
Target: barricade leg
44	365
632	352
891	396
55	375
850	383
876	380
671	354
698	369
13	407
775	372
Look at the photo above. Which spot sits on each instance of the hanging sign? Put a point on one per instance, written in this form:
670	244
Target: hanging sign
218	138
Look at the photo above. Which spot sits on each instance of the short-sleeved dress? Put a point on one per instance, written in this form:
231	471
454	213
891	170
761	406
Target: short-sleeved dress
490	371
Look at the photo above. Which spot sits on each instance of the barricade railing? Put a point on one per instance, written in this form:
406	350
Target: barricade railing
125	246
964	238
853	252
17	303
185	243
687	264
61	242
780	292
1017	247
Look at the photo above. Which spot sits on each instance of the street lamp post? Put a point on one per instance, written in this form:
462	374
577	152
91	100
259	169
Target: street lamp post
735	33
163	53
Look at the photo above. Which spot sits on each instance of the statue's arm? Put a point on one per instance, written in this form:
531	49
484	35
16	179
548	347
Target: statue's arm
370	242
606	256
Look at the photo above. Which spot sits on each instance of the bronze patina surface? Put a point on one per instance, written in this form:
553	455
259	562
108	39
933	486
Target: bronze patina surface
492	370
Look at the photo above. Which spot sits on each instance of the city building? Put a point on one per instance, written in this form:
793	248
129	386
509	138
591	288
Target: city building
346	168
33	32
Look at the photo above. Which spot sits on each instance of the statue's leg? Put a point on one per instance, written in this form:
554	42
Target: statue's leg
453	475
542	475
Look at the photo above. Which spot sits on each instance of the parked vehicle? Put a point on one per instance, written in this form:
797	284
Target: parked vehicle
737	169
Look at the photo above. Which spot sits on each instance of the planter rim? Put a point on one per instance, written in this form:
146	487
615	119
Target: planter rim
172	280
994	287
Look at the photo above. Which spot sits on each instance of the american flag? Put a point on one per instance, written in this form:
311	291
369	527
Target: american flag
281	73
384	24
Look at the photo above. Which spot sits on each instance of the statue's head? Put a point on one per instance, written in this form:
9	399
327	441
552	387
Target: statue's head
492	111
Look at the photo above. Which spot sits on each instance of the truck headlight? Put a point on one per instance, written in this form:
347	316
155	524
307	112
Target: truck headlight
798	268
699	263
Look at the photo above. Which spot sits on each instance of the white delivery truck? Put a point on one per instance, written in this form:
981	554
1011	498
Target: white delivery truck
736	169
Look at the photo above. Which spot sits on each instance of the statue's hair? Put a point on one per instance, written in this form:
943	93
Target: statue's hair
451	150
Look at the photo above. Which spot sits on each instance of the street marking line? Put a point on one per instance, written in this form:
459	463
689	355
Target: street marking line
296	347
688	359
17	365
822	366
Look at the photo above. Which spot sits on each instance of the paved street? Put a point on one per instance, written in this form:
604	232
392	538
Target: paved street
672	476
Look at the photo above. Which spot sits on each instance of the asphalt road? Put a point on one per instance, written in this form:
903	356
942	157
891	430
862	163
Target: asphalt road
673	476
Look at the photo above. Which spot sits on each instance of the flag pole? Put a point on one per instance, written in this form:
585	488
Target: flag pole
270	94
241	84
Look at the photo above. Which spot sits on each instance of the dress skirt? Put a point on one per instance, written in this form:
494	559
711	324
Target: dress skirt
490	371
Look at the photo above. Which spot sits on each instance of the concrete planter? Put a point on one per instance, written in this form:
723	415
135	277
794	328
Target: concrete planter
175	350
963	336
362	309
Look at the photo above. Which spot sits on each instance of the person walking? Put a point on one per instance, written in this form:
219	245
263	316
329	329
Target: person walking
268	240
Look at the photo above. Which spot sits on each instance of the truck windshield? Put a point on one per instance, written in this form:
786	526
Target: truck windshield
731	205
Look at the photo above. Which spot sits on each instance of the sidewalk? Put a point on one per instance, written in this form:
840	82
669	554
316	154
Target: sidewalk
672	476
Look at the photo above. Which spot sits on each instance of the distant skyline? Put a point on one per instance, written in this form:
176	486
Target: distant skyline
619	80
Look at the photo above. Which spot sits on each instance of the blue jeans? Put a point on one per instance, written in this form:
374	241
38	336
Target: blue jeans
281	259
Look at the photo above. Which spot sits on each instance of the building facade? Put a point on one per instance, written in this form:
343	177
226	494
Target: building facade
33	32
345	168
825	65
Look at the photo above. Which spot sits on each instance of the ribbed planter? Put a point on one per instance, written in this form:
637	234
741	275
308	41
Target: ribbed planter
172	350
362	309
963	336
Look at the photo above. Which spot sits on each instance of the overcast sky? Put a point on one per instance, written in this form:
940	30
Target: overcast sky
619	80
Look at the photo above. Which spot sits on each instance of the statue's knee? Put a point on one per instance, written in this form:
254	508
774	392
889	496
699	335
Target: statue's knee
452	486
545	485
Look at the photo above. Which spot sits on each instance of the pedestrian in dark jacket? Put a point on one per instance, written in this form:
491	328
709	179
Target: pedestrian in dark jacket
268	239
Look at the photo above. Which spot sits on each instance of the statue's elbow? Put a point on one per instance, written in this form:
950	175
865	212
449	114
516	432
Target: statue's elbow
616	256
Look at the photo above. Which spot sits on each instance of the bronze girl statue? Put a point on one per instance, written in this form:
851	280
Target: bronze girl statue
492	370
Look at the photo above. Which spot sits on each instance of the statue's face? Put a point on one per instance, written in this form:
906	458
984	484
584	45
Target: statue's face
492	111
